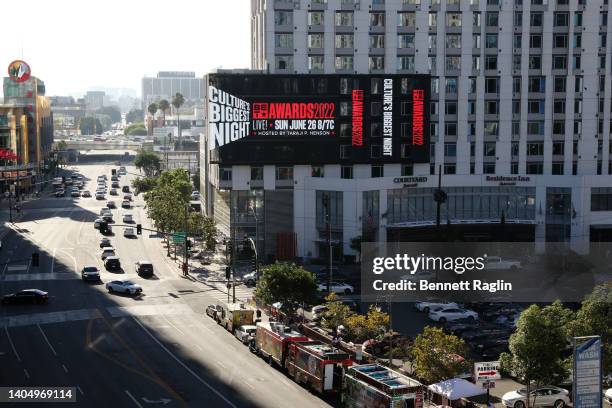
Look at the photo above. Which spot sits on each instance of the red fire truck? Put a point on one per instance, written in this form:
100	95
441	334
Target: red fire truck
272	342
318	365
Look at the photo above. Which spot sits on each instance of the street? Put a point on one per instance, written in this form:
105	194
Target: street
155	349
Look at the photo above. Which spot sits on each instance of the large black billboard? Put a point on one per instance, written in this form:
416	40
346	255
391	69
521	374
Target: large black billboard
318	119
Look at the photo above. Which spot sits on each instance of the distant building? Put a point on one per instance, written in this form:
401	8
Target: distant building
94	100
67	111
168	83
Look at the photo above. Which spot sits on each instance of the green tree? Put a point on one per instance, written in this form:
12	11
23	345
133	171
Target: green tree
595	318
144	184
148	162
438	356
177	101
134	115
537	345
152	109
195	179
177	179
362	327
287	283
62	145
203	227
337	312
163	106
90	126
111	111
135	129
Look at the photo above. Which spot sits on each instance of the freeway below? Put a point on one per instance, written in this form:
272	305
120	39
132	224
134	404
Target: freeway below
108	144
158	349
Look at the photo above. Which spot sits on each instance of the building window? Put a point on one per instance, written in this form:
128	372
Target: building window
407	170
560	82
433	19
491	62
376	63
450	107
561	19
535	127
344	62
517	41
471	107
476	19
315	40
491	107
560	41
315	18
344	40
284	40
514	168
473	85
406	19
491	128
453	41
344	18
283	17
492	19
450	149
453	19
516	128
450	128
558	148
535	41
317	171
559	106
405	63
489	149
346	172
514	149
535	149
535	19
378	170
257	173
284	173
491	41
376	151
492	85
535	106
535	168
535	62
476	41
284	62
557	168
488	168
453	63
451	85
315	62
450	168
559	61
225	173
377	19
405	41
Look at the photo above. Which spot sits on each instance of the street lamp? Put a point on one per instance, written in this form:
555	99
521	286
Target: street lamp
253	208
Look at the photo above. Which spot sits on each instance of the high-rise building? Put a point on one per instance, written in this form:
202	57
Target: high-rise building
167	83
519	119
94	100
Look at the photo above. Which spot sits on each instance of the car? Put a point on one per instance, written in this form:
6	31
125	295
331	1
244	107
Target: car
107	251
68	182
451	313
113	191
496	263
97	222
195	196
111	204
127	197
426	306
60	193
212	310
129	233
104	210
115	184
112	263
105	242
250	279
75	193
114	178
86	193
316	312
608	395
144	268
337	287
26	296
125	189
245	333
108	217
90	273
100	195
546	396
126	204
123	286
128	218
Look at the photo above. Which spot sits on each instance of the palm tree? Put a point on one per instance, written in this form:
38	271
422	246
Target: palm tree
177	101
152	108
163	106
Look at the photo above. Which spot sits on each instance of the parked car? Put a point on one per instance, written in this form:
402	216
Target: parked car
245	333
250	279
144	268
104	210
108	217
75	193
126	204
97	222
123	286
105	242
608	395
90	273
125	189
212	310
26	296
547	396
112	263
127	197
337	287
100	195
60	193
128	218
107	251
111	204
86	193
113	192
451	313
129	233
115	184
496	263
428	305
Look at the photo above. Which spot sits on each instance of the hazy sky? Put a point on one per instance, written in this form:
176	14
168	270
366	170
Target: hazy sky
74	45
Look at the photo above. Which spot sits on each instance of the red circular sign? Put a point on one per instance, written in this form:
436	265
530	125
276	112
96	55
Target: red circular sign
19	71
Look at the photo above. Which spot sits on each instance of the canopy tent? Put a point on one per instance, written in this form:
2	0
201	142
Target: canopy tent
456	388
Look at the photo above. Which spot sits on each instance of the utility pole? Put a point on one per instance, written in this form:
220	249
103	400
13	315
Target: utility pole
256	246
233	234
10	205
325	199
185	264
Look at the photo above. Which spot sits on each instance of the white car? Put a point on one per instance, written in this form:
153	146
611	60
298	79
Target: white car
451	313
337	287
608	395
105	210
547	396
127	217
433	305
245	333
123	286
97	222
107	251
129	232
496	263
100	195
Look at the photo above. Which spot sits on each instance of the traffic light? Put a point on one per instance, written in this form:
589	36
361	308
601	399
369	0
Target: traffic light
103	227
35	259
228	272
139	229
188	243
253	264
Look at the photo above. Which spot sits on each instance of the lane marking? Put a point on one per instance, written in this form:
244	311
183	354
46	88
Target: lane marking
12	344
46	339
26	373
195	375
249	384
52	260
80	390
65	369
133	399
176	328
221	364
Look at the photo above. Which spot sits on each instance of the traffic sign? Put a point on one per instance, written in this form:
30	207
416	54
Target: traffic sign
179	237
486	370
587	372
488	385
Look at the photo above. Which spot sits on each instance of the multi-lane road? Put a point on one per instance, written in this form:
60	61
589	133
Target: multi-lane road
159	349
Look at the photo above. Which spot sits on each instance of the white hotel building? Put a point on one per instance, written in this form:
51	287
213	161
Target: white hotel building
520	123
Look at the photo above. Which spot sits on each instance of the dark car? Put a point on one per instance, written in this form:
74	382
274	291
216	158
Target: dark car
125	189
26	296
144	268
105	242
212	310
112	263
115	184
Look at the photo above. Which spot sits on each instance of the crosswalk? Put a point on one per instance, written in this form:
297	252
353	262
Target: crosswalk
243	293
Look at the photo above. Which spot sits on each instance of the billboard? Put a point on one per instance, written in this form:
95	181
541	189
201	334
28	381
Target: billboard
318	119
587	392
